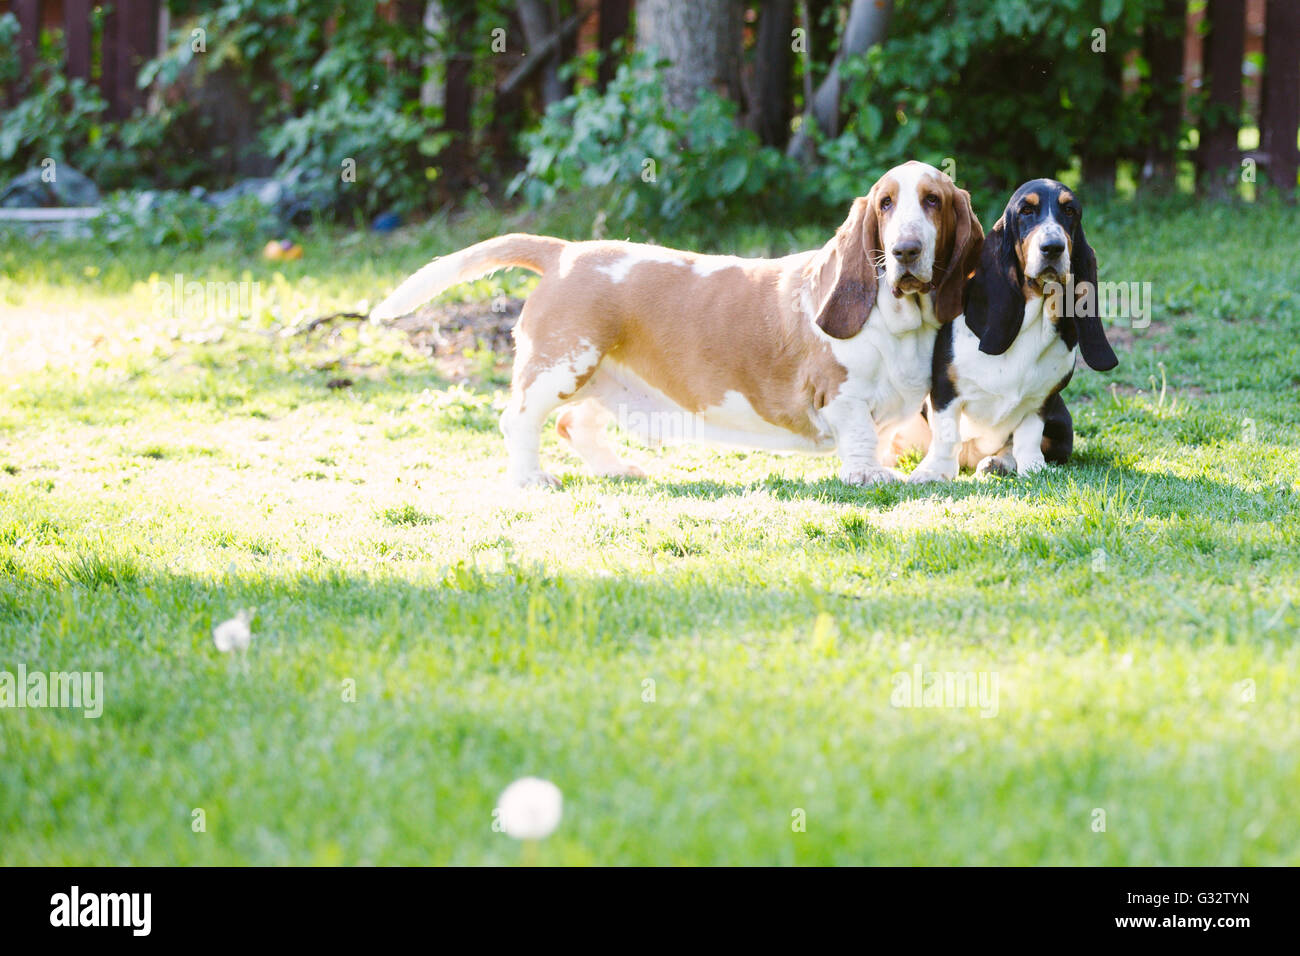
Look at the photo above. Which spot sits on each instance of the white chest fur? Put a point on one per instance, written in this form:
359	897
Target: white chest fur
888	362
998	391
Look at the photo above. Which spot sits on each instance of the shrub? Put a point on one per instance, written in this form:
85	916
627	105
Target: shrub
654	160
66	119
1006	89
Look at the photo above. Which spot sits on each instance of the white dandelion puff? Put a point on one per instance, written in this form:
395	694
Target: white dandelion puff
234	634
530	809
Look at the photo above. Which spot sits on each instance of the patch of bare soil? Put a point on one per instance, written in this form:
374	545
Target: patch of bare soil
457	337
1152	337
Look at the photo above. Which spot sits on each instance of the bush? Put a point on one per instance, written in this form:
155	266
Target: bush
378	140
1005	89
654	160
178	220
66	120
355	95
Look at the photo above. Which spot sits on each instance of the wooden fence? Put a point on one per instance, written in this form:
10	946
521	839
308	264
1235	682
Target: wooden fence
110	58
1214	62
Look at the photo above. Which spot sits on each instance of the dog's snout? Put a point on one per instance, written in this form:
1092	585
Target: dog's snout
907	251
1052	248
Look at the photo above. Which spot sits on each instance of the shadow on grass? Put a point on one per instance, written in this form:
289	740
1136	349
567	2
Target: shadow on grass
498	616
242	381
1163	493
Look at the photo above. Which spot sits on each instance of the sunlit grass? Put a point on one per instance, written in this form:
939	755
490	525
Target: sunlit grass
1138	607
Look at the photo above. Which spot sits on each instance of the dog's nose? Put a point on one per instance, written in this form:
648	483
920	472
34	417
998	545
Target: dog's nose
907	251
1052	248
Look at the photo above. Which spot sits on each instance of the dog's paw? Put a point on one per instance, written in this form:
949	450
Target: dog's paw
1031	466
866	477
623	471
535	479
994	465
926	473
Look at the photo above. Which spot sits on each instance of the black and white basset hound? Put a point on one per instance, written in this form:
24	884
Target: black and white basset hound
995	392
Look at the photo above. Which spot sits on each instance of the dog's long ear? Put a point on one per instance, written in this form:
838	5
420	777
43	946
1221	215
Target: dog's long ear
968	242
995	302
1094	348
842	276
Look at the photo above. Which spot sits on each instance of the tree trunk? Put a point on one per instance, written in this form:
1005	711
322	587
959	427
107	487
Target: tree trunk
772	53
1280	107
615	16
868	24
535	18
1162	46
700	40
458	99
1218	161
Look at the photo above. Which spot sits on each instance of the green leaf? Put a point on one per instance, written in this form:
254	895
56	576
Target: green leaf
873	121
732	174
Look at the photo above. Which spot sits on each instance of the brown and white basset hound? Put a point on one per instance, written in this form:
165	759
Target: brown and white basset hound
790	354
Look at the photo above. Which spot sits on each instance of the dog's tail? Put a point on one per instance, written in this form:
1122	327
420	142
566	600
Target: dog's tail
535	253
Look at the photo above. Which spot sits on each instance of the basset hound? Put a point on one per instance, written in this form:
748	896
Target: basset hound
995	393
790	354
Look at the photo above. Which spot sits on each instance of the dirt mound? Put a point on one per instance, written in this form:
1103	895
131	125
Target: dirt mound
459	337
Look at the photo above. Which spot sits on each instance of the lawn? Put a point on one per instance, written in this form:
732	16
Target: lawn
706	662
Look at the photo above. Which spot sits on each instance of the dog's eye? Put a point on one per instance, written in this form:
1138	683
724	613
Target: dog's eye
932	201
1069	211
1026	210
886	202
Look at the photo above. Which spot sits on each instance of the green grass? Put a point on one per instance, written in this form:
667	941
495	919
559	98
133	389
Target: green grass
1138	608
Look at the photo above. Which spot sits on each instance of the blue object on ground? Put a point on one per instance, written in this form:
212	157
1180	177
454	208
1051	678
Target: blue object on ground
386	222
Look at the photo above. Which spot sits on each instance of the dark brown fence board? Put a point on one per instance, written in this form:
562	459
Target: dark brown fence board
1280	104
108	61
77	29
28	13
1218	155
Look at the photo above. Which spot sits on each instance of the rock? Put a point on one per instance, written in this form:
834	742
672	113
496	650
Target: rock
32	191
269	192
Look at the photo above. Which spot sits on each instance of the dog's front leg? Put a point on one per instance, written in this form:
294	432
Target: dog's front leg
940	461
858	444
1027	445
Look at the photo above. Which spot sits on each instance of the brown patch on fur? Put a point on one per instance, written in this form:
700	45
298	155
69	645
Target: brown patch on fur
562	424
843	273
958	243
841	316
1022	255
693	337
